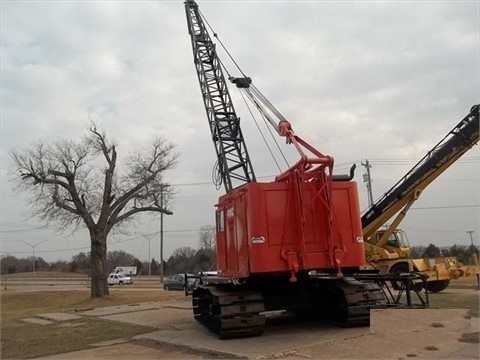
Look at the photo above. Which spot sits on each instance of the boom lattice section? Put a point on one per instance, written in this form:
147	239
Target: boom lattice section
233	160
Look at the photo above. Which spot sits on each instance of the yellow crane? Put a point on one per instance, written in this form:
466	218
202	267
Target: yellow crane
386	247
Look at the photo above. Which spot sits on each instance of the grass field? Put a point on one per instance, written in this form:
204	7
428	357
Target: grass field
44	275
21	340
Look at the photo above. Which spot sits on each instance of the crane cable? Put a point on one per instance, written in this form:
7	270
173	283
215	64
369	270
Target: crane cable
260	131
264	100
266	117
215	35
217	175
253	93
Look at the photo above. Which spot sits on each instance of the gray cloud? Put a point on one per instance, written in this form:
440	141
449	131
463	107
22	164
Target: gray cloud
377	80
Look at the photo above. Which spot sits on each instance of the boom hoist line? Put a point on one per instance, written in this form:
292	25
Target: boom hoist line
408	189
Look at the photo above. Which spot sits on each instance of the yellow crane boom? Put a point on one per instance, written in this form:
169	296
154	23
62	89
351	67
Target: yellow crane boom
403	194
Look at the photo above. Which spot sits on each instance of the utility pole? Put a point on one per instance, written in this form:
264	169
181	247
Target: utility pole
168	212
33	250
474	256
470	232
367	179
149	258
161	237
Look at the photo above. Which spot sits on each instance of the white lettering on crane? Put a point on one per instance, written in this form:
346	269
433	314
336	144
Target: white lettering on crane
258	240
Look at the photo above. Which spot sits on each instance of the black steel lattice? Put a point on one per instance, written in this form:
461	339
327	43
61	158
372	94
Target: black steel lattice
234	162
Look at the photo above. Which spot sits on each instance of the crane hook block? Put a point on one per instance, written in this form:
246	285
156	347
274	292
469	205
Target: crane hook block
243	82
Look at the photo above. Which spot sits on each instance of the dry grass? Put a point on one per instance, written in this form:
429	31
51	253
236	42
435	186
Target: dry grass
43	275
468	301
22	340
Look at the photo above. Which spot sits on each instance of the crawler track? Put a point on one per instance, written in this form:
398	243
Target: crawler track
229	313
349	302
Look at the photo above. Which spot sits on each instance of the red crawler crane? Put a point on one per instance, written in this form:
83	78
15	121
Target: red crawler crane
291	244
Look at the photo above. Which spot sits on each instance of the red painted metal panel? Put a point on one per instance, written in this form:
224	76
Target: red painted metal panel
269	229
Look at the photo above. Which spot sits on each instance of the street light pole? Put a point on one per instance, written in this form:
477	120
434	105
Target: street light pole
33	250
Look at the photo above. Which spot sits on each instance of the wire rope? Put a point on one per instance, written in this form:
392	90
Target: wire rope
217	175
257	98
261	132
266	117
215	35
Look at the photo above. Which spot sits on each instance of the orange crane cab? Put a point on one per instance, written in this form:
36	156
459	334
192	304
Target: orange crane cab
289	226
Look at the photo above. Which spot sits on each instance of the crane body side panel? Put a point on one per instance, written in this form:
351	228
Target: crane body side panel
267	230
347	221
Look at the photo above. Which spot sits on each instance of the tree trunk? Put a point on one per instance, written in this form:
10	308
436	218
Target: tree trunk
99	285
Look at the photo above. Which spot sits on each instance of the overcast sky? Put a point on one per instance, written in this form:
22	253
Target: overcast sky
376	80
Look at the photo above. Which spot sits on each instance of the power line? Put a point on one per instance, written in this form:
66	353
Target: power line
110	243
46	251
389	160
434	230
438	180
445	207
21	230
347	164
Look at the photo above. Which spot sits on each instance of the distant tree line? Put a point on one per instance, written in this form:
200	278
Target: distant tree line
183	259
187	259
463	253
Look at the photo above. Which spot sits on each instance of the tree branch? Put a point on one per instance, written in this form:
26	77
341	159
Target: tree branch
101	143
58	173
43	180
62	204
123	200
107	189
133	211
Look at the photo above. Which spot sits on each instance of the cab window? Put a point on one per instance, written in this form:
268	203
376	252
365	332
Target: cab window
393	241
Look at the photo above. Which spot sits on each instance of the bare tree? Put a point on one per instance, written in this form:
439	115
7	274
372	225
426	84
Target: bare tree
206	237
182	259
120	258
82	261
76	183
